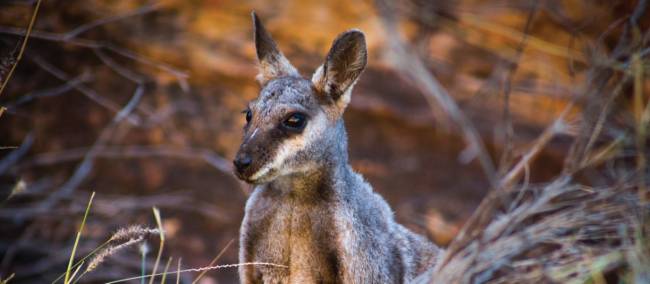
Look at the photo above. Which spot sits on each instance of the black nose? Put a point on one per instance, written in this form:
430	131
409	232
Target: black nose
242	162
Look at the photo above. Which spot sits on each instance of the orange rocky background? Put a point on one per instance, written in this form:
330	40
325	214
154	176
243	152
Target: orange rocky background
195	63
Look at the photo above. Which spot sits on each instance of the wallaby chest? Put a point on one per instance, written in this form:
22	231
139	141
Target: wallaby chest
296	230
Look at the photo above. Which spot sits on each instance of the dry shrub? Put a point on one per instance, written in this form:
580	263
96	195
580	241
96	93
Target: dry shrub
562	232
590	223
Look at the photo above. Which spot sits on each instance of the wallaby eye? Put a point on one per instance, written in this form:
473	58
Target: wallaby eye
249	115
295	122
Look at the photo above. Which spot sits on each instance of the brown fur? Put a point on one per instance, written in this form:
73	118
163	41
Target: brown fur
310	211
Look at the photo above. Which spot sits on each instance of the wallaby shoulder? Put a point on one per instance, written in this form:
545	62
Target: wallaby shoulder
333	234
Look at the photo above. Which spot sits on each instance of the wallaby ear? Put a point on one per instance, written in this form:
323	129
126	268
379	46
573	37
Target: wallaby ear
272	62
344	64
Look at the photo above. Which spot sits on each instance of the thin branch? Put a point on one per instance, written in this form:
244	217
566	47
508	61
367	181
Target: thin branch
181	77
119	69
134	151
88	92
111	205
558	126
139	151
86	27
509	132
412	66
14	156
85	167
70	37
23	46
51	92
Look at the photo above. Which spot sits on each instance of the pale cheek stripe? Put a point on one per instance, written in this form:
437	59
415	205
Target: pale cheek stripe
254	132
292	146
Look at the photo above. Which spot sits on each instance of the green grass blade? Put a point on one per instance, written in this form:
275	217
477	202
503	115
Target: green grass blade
76	241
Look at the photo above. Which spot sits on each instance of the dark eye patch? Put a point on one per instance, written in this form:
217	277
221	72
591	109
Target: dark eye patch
294	122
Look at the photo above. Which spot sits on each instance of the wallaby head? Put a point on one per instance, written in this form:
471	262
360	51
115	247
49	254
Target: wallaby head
295	123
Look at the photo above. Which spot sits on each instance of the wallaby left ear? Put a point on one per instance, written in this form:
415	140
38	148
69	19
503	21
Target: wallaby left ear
272	62
344	64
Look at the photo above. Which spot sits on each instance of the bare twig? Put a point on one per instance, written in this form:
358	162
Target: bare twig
132	152
71	37
14	156
180	76
88	92
506	155
556	127
86	27
56	91
411	65
22	47
122	71
85	167
208	156
599	123
116	204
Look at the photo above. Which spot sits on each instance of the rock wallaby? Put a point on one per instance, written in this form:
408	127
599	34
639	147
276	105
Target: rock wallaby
310	211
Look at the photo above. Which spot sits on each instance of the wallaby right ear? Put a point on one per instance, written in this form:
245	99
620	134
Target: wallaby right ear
344	64
272	62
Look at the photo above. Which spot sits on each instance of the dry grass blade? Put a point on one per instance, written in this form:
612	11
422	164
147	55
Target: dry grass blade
156	214
131	235
6	281
207	268
76	271
214	260
22	47
178	273
164	274
131	232
102	255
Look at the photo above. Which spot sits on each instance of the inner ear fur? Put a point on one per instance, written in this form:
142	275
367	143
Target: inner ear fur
343	65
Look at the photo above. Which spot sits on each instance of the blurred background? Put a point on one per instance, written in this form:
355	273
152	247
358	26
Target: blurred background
141	102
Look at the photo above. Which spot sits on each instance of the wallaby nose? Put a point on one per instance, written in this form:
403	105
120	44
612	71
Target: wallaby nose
242	162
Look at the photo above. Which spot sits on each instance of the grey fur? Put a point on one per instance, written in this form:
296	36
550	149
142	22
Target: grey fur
310	211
